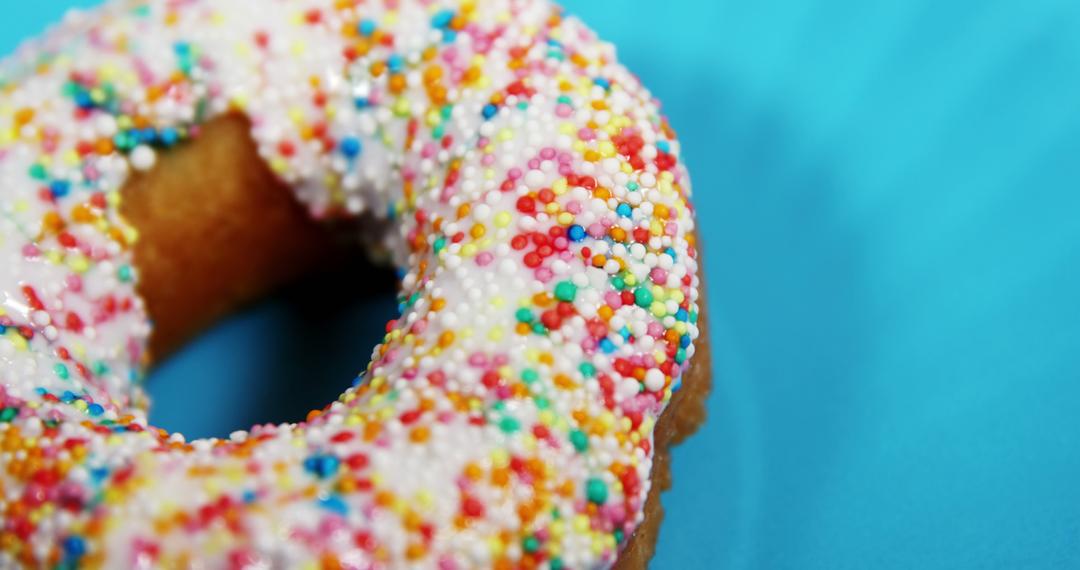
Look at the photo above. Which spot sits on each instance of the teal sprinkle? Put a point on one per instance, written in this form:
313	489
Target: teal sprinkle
524	315
596	491
509	425
37	171
529	376
565	291
643	297
579	440
61	371
539	328
124	273
530	544
7	414
587	369
439	245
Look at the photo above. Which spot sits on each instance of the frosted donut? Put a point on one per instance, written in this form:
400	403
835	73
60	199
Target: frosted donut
524	182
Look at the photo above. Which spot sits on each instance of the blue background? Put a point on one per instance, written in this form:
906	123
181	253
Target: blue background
890	200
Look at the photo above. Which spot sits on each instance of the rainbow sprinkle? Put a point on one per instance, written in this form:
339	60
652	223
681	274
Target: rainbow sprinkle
549	304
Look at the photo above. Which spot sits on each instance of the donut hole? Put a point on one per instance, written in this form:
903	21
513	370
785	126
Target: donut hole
218	233
279	358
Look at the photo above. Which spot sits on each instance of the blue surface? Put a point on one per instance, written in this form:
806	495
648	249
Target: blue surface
890	198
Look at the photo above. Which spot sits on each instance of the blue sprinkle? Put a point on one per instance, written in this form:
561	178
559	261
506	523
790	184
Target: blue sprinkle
350	147
395	63
671	252
682	315
334	504
67	397
95	410
366	27
169	136
607	346
248	497
3	329
676	383
74	546
182	49
60	188
490	111
625	332
442	19
602	82
99	474
624	210
576	233
448	36
322	466
684	341
361	102
83	100
663	146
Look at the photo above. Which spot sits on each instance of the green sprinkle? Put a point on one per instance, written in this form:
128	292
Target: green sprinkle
565	291
587	369
579	440
529	375
556	563
530	544
61	371
643	297
596	491
509	425
524	315
439	245
8	414
680	355
38	171
618	283
124	273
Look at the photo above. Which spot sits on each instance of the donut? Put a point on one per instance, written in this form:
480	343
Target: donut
163	161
